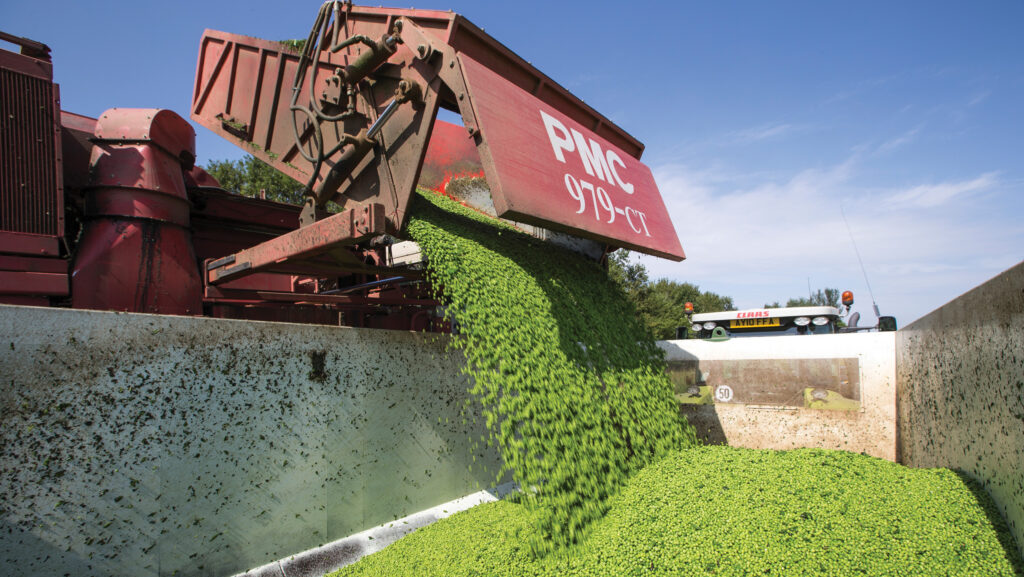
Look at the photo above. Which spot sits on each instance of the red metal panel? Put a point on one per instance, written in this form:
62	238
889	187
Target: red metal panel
32	244
217	294
287	252
136	265
31	195
29	264
244	211
545	168
225	223
469	39
163	128
262	282
242	92
33	283
76	136
292	313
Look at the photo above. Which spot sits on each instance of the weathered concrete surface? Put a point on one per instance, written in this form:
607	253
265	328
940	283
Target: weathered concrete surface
961	391
765	407
154	445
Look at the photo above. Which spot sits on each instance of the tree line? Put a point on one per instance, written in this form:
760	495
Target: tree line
828	297
661	303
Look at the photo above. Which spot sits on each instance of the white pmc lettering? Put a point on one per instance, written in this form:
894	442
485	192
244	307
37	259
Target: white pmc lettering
596	162
613	159
593	158
558	142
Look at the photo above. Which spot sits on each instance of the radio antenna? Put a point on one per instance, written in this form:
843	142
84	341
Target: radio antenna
861	261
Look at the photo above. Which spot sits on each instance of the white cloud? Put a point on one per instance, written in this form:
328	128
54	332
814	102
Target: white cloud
933	195
979	98
899	142
759	133
771	131
858	88
760	243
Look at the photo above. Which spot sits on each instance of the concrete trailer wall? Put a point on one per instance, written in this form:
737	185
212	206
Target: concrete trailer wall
152	445
829	391
961	391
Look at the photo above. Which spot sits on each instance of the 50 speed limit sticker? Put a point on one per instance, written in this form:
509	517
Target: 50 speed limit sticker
723	393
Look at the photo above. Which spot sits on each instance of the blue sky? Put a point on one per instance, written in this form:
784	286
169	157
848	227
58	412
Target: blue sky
764	122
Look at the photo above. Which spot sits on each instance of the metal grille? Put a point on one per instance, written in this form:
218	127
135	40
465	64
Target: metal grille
30	200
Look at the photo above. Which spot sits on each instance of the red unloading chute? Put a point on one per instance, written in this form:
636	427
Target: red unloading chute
442	187
451	153
549	159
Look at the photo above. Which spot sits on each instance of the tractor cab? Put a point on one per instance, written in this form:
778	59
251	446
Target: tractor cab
817	320
767	322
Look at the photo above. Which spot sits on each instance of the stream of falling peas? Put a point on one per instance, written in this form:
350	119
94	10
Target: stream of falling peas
571	385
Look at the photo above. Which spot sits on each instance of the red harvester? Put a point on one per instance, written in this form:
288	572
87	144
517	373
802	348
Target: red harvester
112	214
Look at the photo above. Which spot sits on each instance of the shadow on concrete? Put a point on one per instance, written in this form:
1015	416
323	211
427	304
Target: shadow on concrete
694	395
704	419
24	553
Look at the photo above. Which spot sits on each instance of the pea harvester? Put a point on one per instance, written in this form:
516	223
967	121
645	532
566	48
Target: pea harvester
111	213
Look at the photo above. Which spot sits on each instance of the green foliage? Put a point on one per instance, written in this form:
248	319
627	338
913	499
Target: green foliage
573	389
827	297
294	46
631	277
249	176
726	511
661	304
